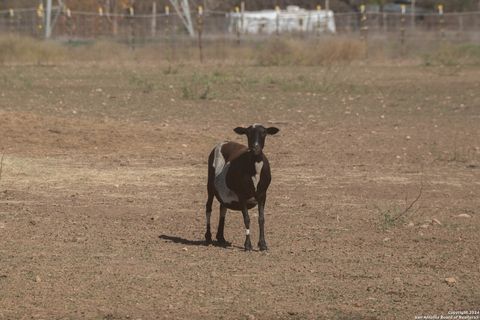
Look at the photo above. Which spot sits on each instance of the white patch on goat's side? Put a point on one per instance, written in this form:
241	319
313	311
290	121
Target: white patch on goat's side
258	170
218	160
247	232
220	182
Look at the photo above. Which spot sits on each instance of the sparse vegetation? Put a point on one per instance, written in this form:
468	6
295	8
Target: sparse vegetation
453	55
196	87
17	49
281	51
392	216
145	85
289	51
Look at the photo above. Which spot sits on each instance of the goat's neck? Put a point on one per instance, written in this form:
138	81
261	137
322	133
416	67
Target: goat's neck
255	157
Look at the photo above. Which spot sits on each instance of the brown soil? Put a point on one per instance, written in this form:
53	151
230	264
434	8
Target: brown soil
103	188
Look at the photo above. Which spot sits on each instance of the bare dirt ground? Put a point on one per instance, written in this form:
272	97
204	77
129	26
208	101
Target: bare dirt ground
103	187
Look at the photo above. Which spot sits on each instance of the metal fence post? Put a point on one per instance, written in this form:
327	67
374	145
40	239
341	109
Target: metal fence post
48	20
441	21
153	25
364	27
402	30
277	20
200	31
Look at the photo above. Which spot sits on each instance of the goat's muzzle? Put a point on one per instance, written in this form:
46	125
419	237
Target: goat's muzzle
256	149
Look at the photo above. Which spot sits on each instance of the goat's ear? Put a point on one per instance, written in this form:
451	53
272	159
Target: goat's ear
240	130
272	130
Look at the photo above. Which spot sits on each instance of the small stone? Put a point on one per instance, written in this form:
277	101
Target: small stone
408	137
424	226
185	249
386	239
38	279
411	225
464	215
451	281
434	220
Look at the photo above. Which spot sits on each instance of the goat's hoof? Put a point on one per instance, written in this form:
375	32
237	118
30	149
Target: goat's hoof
208	239
222	242
248	246
262	246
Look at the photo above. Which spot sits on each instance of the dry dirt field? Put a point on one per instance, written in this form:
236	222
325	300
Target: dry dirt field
103	187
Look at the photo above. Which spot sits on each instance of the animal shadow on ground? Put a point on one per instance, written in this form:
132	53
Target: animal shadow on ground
188	242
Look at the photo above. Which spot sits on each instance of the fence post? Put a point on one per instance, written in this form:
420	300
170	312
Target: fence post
242	16
40	15
364	27
48	20
200	31
154	19
70	23
319	31
169	34
115	20
237	24
277	20
385	22
460	24
441	21
131	13
11	16
413	14
402	30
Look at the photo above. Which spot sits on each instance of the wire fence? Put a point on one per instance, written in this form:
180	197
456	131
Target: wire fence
140	28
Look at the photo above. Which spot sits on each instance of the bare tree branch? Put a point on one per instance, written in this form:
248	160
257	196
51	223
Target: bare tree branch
401	214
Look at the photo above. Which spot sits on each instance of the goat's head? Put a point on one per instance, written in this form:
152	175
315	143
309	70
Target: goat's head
256	134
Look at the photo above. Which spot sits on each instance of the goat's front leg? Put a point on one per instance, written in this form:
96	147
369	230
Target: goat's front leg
262	245
246	220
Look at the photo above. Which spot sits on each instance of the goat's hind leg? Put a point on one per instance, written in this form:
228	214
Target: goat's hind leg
208	209
208	213
211	195
221	225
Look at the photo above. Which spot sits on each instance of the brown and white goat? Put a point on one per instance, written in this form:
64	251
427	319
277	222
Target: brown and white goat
239	176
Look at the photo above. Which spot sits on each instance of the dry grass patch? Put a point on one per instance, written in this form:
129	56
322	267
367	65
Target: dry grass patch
279	52
17	49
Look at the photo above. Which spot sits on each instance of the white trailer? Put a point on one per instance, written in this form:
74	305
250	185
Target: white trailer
294	19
